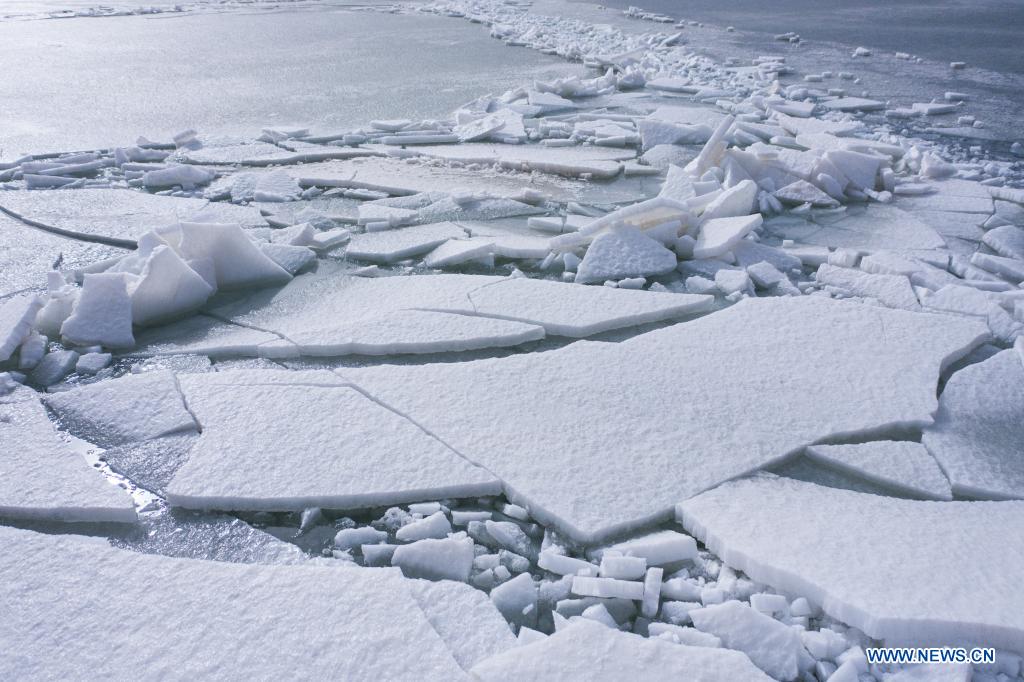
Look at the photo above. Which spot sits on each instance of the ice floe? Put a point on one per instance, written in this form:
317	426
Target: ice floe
268	609
45	478
571	408
977	438
760	526
357	458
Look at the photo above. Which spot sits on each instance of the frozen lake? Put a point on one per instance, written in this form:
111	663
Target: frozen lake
84	83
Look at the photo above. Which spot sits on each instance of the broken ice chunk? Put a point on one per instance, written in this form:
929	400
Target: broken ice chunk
395	245
773	647
17	315
131	408
256	451
624	252
720	235
434	526
448	559
608	588
102	315
516	599
569	655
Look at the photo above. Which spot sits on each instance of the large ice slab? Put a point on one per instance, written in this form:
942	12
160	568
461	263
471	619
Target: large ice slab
288	441
588	651
665	415
118	216
978	435
901	465
329	313
42	477
824	543
623	252
17	315
216	619
132	408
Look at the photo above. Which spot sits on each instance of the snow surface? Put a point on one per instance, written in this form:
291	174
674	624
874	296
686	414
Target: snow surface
834	556
695	400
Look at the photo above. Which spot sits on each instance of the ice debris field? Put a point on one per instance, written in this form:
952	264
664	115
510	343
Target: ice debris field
683	369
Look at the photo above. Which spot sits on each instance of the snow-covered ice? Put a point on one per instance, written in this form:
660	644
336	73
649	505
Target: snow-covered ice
43	478
355	457
977	437
259	613
900	465
760	526
571	415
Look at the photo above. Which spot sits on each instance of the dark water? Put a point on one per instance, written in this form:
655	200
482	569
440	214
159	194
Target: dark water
988	34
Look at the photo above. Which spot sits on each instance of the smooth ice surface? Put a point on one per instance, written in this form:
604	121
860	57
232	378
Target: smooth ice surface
464	618
892	592
216	618
978	435
263	72
589	651
118	216
131	408
259	449
660	417
901	465
872	228
42	477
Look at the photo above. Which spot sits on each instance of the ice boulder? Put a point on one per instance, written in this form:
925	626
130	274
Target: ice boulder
719	235
760	525
223	255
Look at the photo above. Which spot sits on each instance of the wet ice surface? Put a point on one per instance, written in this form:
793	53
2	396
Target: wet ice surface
347	339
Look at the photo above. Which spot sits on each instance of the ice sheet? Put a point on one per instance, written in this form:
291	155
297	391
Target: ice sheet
762	526
662	416
216	618
259	451
118	216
